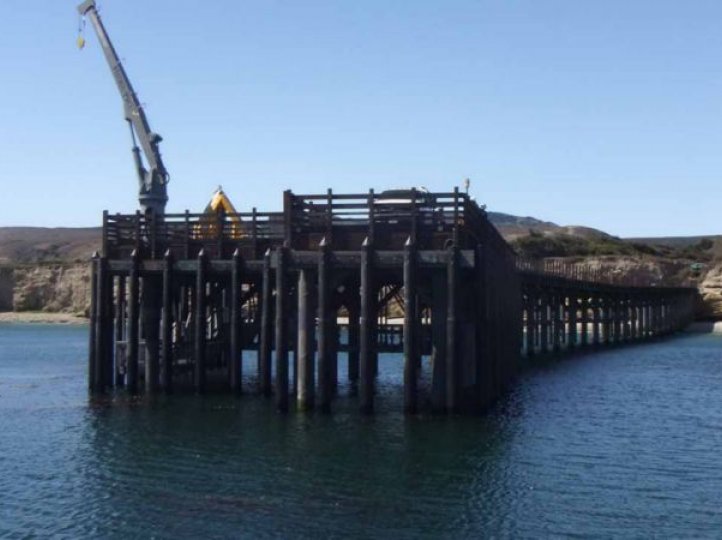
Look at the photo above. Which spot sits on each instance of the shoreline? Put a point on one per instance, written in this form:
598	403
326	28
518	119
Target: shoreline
40	317
705	327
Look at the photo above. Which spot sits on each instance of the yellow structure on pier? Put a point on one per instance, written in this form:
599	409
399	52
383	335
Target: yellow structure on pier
220	205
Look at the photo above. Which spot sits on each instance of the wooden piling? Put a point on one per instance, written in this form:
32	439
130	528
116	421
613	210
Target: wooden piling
264	378
167	323
133	323
101	336
452	351
93	314
366	330
281	329
305	364
411	331
544	326
236	349
573	307
119	327
353	340
585	319
531	302
200	324
556	321
151	305
325	385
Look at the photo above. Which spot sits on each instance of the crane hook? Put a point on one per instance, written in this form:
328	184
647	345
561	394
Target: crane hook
81	29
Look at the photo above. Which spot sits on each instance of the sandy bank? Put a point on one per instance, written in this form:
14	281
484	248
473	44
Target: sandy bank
40	317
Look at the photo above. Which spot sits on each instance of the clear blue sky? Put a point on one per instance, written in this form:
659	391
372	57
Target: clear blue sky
602	113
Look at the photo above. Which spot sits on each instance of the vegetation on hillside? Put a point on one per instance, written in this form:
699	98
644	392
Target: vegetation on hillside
537	245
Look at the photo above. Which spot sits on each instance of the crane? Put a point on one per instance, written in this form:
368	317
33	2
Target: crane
153	179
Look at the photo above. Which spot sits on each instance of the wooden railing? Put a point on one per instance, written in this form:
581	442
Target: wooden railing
432	220
598	273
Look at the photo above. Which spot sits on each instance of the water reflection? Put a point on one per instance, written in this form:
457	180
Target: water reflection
623	443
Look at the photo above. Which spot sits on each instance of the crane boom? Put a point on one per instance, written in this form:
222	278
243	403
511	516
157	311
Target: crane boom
153	194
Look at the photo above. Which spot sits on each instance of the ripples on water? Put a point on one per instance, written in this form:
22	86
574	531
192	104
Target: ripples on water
624	443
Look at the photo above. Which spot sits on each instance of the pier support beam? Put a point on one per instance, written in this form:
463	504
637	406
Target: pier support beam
200	325
557	322
585	319
544	324
305	364
353	340
411	331
596	320
133	324
325	330
152	291
281	330
264	379
102	369
367	329
452	352
531	301
92	333
572	310
120	306
236	337
167	323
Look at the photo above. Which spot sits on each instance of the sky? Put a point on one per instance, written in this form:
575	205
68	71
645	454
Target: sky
599	113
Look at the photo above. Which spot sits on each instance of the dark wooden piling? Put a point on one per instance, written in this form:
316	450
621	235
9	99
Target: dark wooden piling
557	328
200	320
167	324
452	351
544	325
353	340
264	378
93	315
585	319
236	349
411	331
367	330
281	329
101	324
305	361
151	305
572	311
120	306
596	320
325	384
438	336
531	305
133	323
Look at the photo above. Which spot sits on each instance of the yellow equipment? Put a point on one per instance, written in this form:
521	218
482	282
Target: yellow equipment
208	225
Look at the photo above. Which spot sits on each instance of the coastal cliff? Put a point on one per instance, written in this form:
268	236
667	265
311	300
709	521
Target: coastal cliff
48	287
48	270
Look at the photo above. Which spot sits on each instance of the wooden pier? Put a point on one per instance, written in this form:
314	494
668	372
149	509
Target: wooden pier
178	302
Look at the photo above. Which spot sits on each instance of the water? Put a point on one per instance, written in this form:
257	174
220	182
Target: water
624	443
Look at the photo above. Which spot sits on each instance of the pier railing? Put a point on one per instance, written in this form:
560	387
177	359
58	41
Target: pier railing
597	273
387	219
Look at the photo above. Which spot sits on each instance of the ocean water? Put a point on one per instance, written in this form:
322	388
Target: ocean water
625	443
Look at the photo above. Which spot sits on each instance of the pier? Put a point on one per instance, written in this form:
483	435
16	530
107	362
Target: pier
180	301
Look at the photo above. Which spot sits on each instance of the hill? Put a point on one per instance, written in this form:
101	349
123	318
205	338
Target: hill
28	245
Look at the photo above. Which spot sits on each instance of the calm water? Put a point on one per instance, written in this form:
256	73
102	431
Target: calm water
625	443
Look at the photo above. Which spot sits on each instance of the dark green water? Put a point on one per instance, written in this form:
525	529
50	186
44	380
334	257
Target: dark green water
624	443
